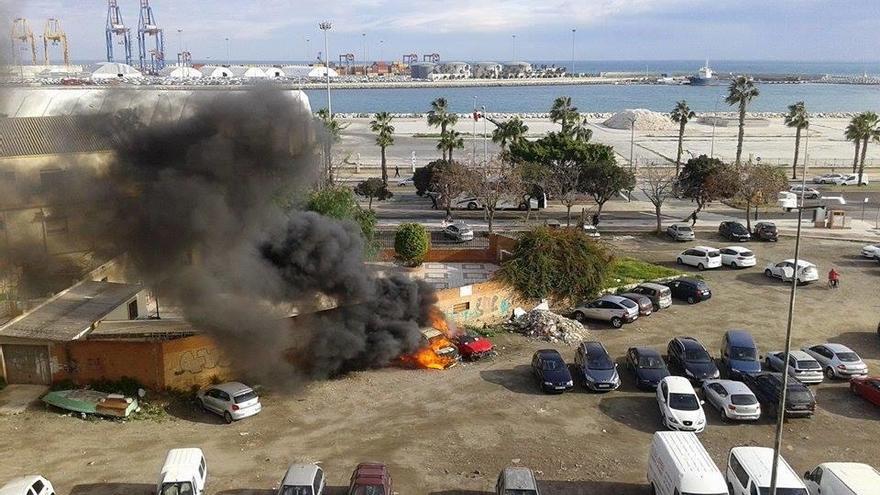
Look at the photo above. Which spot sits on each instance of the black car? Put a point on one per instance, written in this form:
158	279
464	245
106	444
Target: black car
691	290
765	231
689	358
596	367
767	387
734	231
647	367
551	371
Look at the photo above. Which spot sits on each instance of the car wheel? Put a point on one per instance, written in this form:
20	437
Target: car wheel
523	207
616	322
768	273
829	373
691	300
580	317
472	206
701	267
724	417
734	266
679	261
227	417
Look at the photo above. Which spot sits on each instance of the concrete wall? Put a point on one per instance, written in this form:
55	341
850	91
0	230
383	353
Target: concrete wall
193	361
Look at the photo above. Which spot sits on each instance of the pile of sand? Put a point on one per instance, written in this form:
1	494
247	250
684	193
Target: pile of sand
645	120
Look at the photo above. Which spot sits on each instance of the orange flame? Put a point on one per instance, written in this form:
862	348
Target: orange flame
430	356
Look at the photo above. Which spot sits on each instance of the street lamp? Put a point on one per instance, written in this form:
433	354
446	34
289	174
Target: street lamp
308	50
474	133
381	42
485	138
227	52
632	140
325	26
572	52
714	122
514	48
364	52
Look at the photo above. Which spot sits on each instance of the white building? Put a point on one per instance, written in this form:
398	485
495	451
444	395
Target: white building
114	70
216	71
181	72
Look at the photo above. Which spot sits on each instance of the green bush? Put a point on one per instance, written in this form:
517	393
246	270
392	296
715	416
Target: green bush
411	243
626	271
339	202
126	386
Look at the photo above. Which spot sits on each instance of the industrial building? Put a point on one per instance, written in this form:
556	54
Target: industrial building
181	72
487	70
115	70
215	71
516	70
421	70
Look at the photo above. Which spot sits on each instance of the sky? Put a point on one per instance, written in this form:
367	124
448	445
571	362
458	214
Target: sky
500	30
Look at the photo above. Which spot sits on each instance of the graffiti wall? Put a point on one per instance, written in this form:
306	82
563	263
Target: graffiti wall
193	361
487	302
87	361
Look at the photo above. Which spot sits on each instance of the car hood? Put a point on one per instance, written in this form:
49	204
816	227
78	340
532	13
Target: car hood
601	375
557	376
745	366
693	416
652	375
481	345
701	371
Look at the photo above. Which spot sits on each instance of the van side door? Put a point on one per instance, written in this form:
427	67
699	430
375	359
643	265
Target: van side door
737	477
203	475
813	480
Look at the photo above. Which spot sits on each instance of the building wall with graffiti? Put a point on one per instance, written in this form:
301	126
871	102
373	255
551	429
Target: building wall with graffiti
193	362
486	302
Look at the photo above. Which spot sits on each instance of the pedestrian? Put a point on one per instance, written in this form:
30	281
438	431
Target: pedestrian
693	219
833	279
396	171
595	219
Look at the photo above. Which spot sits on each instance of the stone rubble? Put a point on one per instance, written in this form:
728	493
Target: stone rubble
546	325
641	119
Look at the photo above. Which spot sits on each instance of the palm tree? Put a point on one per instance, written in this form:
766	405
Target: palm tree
870	125
564	113
853	133
440	116
682	113
450	141
381	125
798	118
741	91
333	130
582	132
509	131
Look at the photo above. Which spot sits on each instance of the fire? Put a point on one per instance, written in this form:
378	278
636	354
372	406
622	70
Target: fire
438	351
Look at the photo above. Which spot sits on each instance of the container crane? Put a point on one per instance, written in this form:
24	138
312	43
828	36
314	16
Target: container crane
53	33
147	27
21	37
117	28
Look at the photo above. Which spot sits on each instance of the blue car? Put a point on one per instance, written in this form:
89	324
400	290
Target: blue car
597	368
647	367
551	371
739	353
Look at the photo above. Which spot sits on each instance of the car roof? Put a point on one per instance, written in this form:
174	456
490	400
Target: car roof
836	348
860	478
738	249
611	298
633	295
689	280
549	353
800	262
678	384
518	478
732	386
740	338
460	223
690	343
17	486
300	475
681	225
233	388
431	332
758	461
647	351
652	285
705	248
801	355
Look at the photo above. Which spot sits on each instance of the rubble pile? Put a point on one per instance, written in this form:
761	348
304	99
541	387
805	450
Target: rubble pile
546	325
641	119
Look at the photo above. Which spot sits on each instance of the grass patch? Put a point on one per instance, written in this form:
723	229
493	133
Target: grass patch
625	271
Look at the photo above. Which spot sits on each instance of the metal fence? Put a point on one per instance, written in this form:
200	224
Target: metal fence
439	240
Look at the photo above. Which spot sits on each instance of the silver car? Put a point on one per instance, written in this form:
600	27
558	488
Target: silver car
231	400
680	232
302	479
660	295
800	365
838	360
613	309
733	400
459	231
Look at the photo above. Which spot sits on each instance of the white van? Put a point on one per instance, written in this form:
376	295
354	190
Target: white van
28	485
843	478
749	470
184	473
679	465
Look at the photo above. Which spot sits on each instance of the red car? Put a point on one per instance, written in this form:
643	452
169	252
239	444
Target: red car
472	347
867	387
370	478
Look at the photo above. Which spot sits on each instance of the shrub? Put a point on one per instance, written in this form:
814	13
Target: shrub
411	243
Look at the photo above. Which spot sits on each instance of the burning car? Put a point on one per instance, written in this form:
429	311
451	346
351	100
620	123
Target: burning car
444	351
472	347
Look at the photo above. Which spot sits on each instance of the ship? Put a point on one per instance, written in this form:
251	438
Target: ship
704	77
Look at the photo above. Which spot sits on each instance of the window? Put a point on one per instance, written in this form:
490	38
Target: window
816	475
250	395
201	470
664	390
38	487
133	310
738	471
718	389
753	490
744	353
461	307
297	490
684	402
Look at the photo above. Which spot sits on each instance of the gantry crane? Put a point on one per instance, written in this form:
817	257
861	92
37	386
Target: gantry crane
21	37
53	32
147	27
117	28
410	58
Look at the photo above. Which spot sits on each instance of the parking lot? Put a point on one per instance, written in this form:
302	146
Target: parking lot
448	432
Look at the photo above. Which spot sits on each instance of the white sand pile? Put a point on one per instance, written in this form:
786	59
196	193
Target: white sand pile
645	120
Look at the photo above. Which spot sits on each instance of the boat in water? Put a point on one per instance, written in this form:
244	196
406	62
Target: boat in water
704	77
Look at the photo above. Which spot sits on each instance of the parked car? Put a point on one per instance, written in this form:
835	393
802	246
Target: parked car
613	309
472	347
647	367
646	306
231	400
838	360
406	182
739	353
474	203
660	295
551	371
800	365
688	357
826	178
765	231
734	231
680	408
184	472
679	464
370	478
767	387
459	231
749	472
28	485
702	257
591	231
842	478
732	399
871	251
680	232
302	479
809	192
850	180
516	481
867	388
737	257
689	289
784	270
596	367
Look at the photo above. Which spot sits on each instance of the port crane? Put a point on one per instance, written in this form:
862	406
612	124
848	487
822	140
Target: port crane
22	36
53	33
148	28
117	28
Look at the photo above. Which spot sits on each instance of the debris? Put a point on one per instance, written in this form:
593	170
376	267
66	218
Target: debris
243	433
547	325
640	119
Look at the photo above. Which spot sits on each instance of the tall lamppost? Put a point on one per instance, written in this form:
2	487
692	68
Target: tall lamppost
572	51
179	41
485	136
514	48
474	133
632	140
227	52
364	52
308	50
714	122
325	26
381	42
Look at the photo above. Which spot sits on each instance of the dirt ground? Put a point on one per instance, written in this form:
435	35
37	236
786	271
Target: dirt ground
449	432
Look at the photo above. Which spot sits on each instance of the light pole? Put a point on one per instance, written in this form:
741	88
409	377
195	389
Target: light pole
308	50
632	140
227	52
381	42
514	48
179	41
572	51
474	133
714	122
325	26
485	138
364	52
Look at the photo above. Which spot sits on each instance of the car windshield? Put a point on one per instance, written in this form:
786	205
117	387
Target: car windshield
848	357
628	304
651	363
743	400
697	356
713	254
599	362
551	365
809	365
181	488
296	490
744	353
684	402
702	286
249	395
369	490
798	394
784	491
738	228
683	228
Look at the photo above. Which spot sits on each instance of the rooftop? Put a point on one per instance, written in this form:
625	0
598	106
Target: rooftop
70	314
49	135
139	329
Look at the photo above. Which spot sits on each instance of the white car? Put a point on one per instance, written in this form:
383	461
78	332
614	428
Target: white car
28	485
406	182
784	270
826	178
613	309
871	251
838	360
732	399
800	365
809	192
702	257
737	257
680	408
591	231
850	180
231	400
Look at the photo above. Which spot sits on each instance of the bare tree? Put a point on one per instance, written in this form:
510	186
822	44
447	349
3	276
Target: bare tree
758	185
449	179
658	184
496	184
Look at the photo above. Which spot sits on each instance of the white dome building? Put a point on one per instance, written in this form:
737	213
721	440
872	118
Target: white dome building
275	72
216	71
181	72
248	72
113	70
